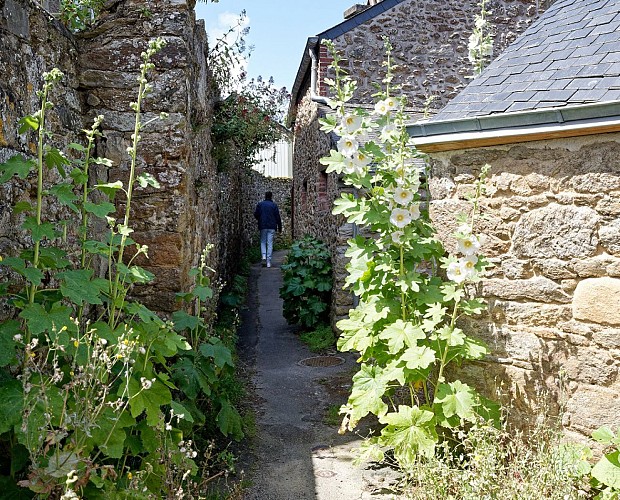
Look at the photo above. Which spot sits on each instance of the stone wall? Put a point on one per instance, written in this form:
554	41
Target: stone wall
196	205
430	49
30	44
551	220
429	39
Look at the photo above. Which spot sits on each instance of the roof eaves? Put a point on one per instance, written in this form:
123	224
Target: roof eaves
354	21
507	128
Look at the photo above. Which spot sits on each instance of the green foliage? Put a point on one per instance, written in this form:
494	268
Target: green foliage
480	45
98	395
247	121
79	14
605	475
319	339
307	283
411	294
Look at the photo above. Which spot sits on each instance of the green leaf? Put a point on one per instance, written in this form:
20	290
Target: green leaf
410	432
451	335
99	209
56	159
146	179
184	321
76	147
40	320
28	122
39	231
149	400
135	274
604	435
53	258
456	398
79	286
78	176
110	188
11	404
218	351
22	206
108	434
32	274
179	409
203	292
401	333
367	392
418	357
607	470
8	330
193	376
65	195
229	421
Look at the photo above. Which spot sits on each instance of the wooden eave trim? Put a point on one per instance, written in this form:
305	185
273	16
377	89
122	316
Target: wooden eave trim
487	138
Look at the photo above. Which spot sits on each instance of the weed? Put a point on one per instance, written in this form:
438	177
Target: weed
319	339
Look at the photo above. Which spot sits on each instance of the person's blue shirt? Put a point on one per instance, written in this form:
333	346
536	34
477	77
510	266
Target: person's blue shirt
268	215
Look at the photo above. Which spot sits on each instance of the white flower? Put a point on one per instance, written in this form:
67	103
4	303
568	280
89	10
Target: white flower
349	165
396	236
18	337
468	245
455	272
168	427
414	211
347	145
351	123
388	132
403	196
361	159
146	383
468	266
400	217
381	108
390	103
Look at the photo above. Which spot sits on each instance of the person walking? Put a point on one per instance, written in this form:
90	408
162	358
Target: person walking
268	217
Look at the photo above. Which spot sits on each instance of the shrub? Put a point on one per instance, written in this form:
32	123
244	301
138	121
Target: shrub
307	286
319	339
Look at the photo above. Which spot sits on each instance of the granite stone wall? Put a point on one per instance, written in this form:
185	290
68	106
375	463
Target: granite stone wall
551	220
196	205
429	40
30	44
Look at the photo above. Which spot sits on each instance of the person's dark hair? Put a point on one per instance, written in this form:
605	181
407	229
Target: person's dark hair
268	195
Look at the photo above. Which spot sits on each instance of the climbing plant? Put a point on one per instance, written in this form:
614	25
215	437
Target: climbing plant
411	292
98	395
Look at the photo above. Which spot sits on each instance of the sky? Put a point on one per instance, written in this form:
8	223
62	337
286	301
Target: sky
279	30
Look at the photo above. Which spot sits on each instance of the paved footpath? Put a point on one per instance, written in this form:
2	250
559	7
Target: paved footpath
297	456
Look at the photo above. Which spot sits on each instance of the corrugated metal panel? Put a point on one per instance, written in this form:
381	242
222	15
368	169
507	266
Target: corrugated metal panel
276	161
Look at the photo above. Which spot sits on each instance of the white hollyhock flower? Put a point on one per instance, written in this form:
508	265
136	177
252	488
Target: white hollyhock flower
347	145
351	123
349	166
468	266
361	159
381	107
414	211
468	245
397	235
388	132
403	196
400	217
455	272
390	103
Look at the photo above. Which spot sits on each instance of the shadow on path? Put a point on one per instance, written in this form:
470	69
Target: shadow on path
297	456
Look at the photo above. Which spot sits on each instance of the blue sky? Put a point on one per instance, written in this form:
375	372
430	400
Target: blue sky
279	30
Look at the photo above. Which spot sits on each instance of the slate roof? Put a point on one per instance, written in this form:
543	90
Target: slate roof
569	56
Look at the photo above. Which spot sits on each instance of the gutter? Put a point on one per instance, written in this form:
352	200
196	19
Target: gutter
314	72
522	126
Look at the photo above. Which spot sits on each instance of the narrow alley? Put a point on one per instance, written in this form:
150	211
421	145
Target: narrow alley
297	455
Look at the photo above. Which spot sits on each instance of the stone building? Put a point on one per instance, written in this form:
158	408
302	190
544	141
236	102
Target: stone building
430	54
197	204
546	116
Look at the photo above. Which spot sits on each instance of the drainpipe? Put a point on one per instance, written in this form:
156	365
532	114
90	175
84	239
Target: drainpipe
314	71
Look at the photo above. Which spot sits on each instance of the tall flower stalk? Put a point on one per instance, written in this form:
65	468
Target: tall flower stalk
405	327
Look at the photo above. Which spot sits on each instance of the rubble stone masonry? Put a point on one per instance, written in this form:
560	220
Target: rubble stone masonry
551	220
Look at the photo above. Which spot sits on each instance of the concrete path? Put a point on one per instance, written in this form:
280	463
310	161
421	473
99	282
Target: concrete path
298	456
